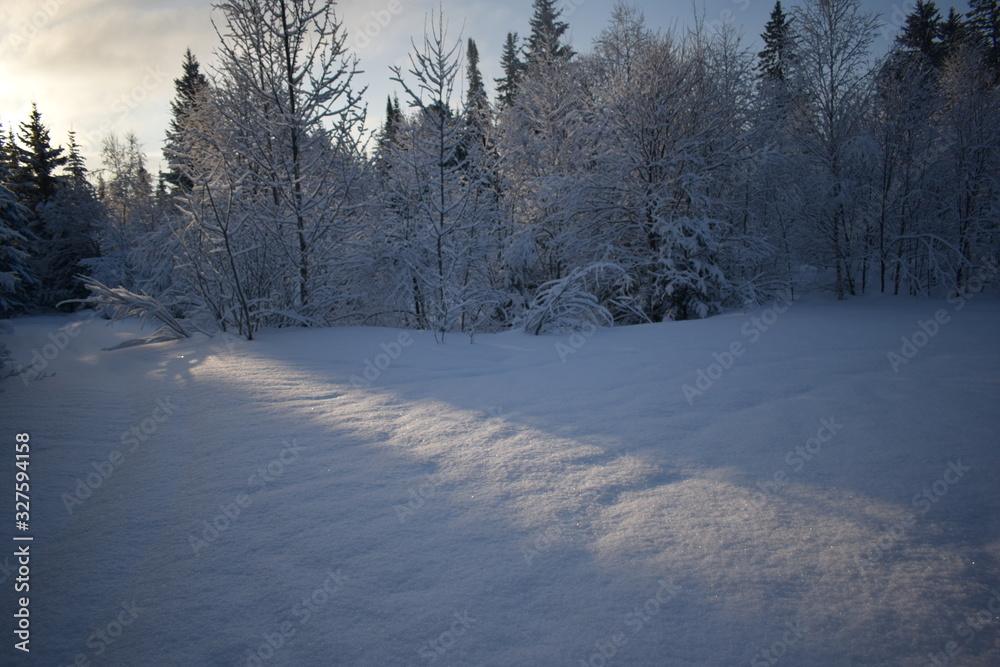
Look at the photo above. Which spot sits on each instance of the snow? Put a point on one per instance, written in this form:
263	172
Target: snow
550	500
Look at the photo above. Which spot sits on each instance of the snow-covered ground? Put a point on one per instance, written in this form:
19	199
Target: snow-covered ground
770	487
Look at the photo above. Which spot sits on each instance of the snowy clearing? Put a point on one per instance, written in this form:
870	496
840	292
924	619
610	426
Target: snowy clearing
755	488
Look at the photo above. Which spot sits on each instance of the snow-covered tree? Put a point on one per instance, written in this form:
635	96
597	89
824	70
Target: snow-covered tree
15	267
68	220
189	88
832	77
274	155
439	223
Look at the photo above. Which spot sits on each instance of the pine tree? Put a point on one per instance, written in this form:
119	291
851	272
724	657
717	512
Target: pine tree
922	32
190	87
513	70
544	44
773	59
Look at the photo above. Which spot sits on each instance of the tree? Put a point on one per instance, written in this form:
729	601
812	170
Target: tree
435	231
921	33
36	162
970	125
189	89
477	103
390	128
545	42
275	158
833	75
513	70
773	59
125	190
68	220
15	268
984	24
954	33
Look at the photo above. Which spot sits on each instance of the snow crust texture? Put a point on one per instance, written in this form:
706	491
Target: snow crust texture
813	484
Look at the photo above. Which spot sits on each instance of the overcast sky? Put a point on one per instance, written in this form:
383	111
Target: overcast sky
100	66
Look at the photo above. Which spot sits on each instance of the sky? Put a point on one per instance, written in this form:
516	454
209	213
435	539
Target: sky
107	66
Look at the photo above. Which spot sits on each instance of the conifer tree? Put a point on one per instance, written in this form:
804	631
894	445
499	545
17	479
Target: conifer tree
190	88
922	31
15	270
545	43
954	33
34	174
984	23
513	69
774	58
67	237
477	103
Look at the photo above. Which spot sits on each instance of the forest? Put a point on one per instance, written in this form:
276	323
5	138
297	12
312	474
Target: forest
657	176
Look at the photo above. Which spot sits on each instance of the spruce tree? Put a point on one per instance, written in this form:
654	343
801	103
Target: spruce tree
922	32
477	103
15	268
188	88
954	32
513	69
67	235
34	174
984	23
390	130
545	43
774	58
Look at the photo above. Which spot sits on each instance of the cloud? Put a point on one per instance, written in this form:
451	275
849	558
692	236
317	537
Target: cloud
99	65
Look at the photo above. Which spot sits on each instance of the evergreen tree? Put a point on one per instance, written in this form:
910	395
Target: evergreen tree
67	222
954	32
387	138
477	103
774	58
922	31
513	70
545	43
984	23
189	87
34	174
15	269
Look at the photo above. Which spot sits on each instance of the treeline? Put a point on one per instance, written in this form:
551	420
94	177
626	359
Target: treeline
656	176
